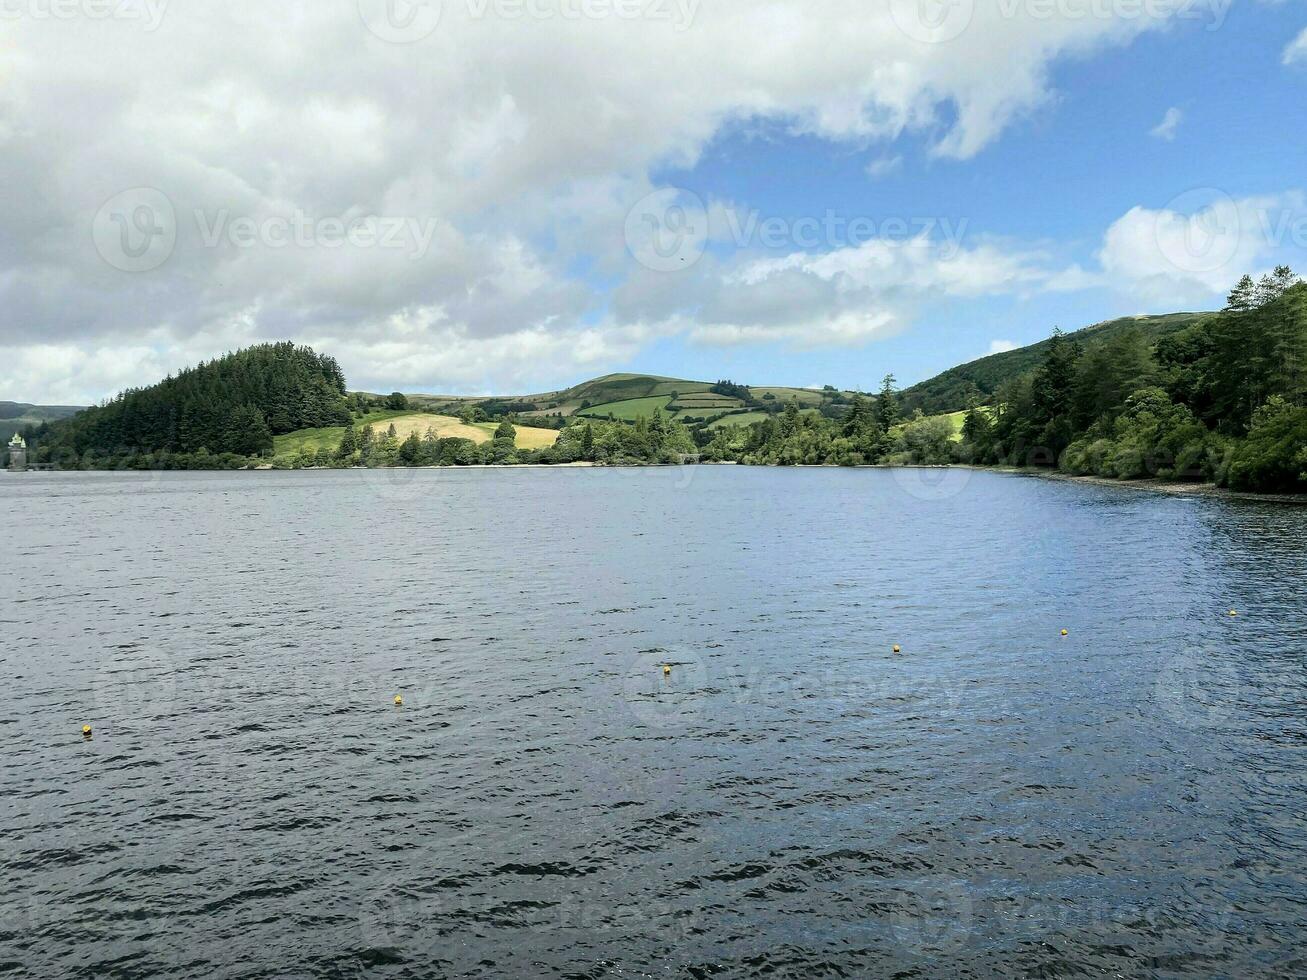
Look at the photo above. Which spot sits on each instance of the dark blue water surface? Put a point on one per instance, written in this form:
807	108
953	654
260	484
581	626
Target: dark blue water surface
794	800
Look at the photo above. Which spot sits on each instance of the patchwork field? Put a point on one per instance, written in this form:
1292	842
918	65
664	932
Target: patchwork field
293	443
804	396
406	423
628	410
448	427
743	418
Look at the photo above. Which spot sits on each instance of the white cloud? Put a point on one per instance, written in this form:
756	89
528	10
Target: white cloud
523	142
1166	129
845	297
1296	52
884	166
1197	247
1001	346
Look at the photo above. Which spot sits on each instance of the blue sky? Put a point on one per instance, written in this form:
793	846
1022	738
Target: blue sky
493	196
1058	177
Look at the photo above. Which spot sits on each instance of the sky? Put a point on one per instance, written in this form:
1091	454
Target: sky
512	196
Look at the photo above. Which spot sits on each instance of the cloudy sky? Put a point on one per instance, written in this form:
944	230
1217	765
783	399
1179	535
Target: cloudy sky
471	196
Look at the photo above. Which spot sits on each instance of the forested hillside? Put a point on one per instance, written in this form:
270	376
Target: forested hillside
233	405
1223	400
977	382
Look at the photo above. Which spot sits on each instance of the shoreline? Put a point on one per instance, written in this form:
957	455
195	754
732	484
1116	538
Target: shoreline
1168	488
1152	485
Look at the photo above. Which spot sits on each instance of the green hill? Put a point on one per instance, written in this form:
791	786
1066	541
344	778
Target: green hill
958	387
231	406
17	416
628	397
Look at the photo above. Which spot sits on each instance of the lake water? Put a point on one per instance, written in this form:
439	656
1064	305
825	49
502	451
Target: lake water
793	800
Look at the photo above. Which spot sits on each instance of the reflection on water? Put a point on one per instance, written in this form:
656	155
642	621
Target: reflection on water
793	799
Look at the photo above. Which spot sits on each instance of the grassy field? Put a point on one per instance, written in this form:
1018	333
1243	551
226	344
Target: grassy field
680	387
803	396
744	418
293	443
956	419
628	410
405	423
528	437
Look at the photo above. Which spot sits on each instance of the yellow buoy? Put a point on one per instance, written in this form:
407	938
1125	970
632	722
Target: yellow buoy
897	648
1234	612
86	731
1065	633
667	670
399	700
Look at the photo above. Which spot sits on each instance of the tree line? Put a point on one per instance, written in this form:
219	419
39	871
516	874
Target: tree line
1223	401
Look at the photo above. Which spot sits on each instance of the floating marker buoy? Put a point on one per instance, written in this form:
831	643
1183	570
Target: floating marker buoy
1065	633
1234	612
399	700
897	648
86	731
667	670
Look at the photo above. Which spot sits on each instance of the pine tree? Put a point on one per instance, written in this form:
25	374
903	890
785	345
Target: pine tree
1243	297
349	443
887	405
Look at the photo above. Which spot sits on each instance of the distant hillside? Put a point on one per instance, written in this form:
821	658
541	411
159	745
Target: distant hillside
958	387
627	397
16	416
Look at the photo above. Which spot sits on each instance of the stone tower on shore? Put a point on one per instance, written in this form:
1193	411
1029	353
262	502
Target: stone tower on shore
17	454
